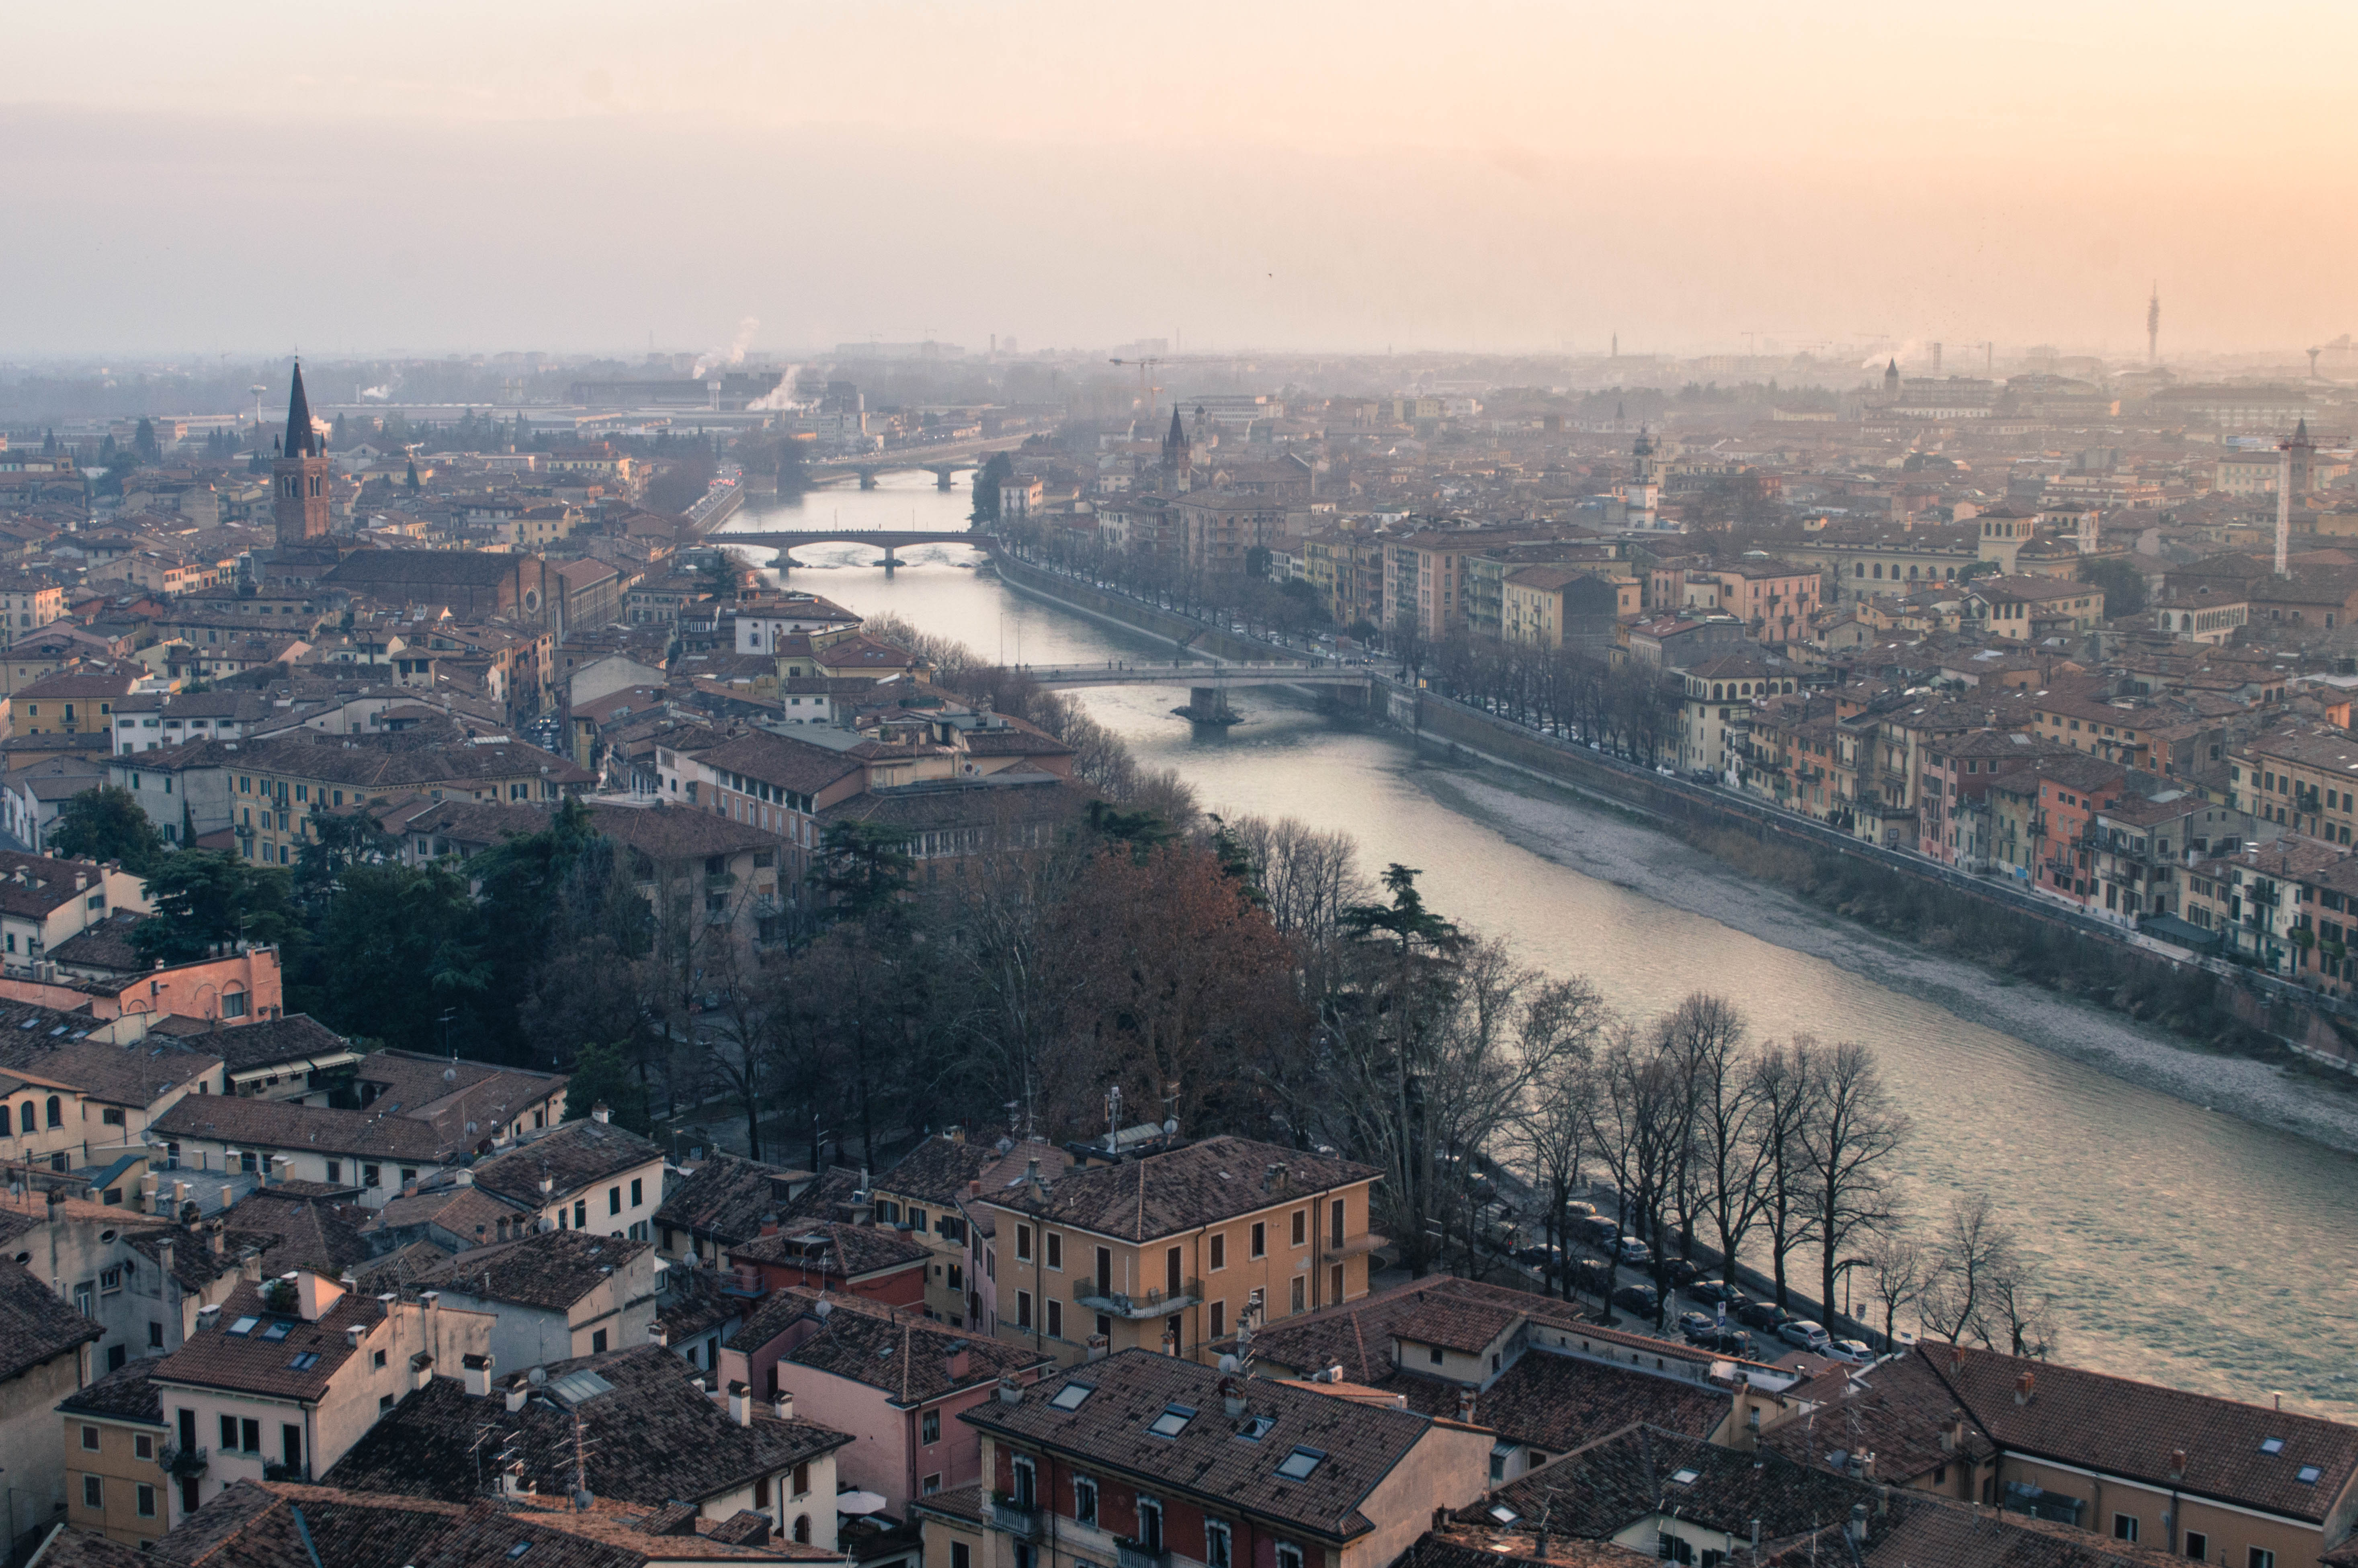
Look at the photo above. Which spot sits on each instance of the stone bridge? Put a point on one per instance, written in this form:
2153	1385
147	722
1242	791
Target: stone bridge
1207	684
884	539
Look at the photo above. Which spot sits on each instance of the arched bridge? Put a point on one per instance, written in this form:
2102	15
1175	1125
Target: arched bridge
885	539
1207	684
1073	677
943	459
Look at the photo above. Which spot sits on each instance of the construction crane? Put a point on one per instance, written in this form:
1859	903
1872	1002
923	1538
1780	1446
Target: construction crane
1144	386
1147	365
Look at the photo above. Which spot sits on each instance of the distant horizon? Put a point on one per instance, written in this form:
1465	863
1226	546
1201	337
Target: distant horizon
1505	177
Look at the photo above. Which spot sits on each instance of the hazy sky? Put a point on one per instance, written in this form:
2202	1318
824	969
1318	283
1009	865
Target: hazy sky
1477	174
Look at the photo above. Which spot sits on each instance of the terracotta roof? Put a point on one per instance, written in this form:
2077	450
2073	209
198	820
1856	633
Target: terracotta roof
726	1198
2130	1430
847	1251
1200	1183
653	1436
256	1362
1557	1403
903	1353
550	1270
1359	1443
34	1324
1598	1491
939	1170
570	1156
127	1393
72	1548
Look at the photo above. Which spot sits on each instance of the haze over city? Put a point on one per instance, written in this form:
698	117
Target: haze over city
1034	785
1487	175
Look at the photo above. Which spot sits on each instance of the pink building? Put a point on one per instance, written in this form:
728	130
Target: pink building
894	1380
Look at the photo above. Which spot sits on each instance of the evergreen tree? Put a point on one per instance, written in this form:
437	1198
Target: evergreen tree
602	1076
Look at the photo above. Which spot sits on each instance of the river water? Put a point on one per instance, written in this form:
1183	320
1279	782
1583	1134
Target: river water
2184	1245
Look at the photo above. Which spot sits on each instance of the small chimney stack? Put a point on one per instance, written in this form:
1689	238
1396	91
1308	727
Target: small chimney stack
782	1404
519	1389
477	1371
2177	1463
740	1403
1010	1391
600	1114
2023	1386
1232	1398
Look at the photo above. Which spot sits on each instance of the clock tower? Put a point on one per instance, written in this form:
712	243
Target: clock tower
299	474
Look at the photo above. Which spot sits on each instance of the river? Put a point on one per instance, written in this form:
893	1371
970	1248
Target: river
2184	1245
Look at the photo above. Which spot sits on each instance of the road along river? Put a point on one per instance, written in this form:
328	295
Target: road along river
2185	1245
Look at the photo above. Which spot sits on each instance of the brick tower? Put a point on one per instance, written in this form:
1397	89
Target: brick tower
299	474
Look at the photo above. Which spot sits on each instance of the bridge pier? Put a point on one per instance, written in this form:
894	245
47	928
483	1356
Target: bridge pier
868	479
889	560
1210	704
942	477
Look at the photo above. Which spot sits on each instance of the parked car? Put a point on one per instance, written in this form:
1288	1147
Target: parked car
1598	1230
1679	1270
1634	1252
1639	1298
1593	1275
1580	1211
1714	1292
1538	1256
1762	1315
1729	1342
1808	1335
1855	1351
1698	1326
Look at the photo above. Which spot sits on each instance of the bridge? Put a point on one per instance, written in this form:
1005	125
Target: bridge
1207	684
942	459
884	539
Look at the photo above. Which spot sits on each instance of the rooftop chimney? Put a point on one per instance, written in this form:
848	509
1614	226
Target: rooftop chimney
782	1404
2177	1463
518	1391
740	1403
1858	1522
421	1369
1011	1393
599	1113
316	1294
957	1360
1232	1398
769	1225
478	1370
1465	1406
2022	1386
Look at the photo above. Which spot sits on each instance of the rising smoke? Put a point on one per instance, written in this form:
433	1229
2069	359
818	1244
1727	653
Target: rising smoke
780	397
733	354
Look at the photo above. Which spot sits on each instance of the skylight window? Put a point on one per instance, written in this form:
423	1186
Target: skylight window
1685	1477
1072	1396
2272	1445
279	1329
1298	1465
304	1361
1171	1422
1503	1514
244	1325
2309	1475
518	1549
1256	1427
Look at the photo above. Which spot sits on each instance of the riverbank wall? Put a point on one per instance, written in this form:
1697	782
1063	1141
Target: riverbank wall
2205	1000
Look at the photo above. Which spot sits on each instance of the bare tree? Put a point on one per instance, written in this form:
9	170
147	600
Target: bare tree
1637	1123
1785	1079
1718	1166
1553	1137
1971	1249
2021	1307
1853	1130
1897	1266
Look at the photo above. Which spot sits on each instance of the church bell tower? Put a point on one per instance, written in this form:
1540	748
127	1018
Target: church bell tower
300	473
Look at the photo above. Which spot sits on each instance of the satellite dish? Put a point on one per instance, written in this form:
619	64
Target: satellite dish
859	1503
1228	1363
1170	1126
823	1309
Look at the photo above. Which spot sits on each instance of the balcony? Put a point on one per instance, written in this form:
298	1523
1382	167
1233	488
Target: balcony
1088	1292
1129	1554
179	1461
1018	1519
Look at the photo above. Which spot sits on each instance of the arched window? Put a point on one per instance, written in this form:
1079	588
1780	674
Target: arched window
1717	691
25	1117
1859	569
56	1111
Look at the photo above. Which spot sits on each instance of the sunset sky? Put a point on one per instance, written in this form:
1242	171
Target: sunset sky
428	177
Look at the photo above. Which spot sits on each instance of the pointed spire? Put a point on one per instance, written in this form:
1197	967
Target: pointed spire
299	438
1178	431
2300	433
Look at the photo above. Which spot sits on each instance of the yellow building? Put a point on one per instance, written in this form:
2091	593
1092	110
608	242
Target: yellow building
115	1445
1168	1251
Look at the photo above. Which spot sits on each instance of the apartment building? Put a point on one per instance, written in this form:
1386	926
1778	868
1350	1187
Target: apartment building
924	1196
2297	778
582	1175
1148	1458
289	1373
1172	1250
114	1448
